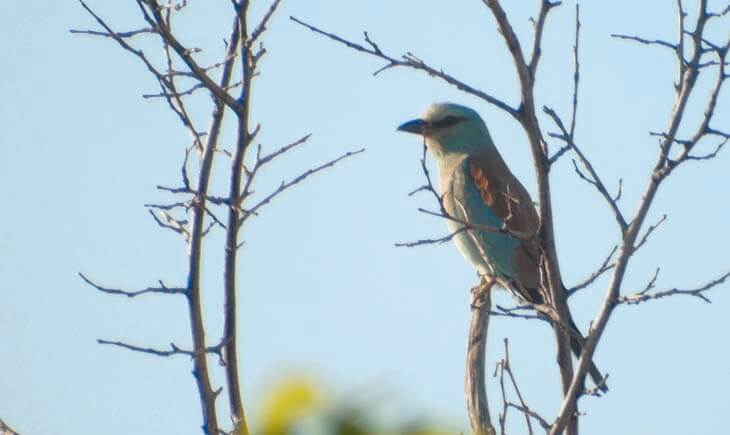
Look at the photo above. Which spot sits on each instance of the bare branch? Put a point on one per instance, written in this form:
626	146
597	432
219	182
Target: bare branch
122	35
186	56
515	312
545	7
711	155
504	366
244	137
285	185
513	43
170	223
576	71
650	230
184	205
719	14
619	191
269	157
688	74
593	179
163	289
174	350
555	157
569	136
550	266
645	41
439	241
410	61
520	235
121	41
200	364
698	292
215	219
261	28
531	414
476	393
603	268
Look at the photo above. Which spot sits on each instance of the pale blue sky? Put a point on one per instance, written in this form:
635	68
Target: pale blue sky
322	288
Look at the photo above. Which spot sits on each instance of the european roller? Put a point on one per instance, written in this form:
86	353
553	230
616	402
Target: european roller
478	188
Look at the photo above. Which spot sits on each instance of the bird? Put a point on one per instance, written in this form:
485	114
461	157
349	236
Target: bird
490	214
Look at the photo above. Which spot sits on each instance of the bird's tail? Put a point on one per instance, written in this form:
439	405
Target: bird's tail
576	338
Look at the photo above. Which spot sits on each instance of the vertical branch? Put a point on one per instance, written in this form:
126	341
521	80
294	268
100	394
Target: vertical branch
530	124
200	363
159	20
689	71
230	338
475	384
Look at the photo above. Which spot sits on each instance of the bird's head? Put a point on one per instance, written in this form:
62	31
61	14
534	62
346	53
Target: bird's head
450	128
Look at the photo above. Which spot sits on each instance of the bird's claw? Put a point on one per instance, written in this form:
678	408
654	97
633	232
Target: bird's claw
480	292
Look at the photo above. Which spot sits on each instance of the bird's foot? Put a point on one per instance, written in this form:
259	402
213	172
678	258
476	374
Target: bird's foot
480	292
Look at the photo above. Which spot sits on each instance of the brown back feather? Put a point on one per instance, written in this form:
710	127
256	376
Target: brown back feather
512	204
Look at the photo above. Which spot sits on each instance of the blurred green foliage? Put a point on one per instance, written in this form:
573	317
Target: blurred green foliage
299	406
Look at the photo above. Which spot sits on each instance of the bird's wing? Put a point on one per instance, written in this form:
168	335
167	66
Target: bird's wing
504	193
468	204
508	200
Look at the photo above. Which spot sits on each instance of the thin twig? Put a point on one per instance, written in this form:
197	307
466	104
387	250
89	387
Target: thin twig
438	241
174	349
162	289
410	61
261	28
698	292
645	41
129	34
649	231
593	179
605	266
285	185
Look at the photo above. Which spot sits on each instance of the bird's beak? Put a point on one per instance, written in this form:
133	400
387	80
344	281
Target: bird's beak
414	126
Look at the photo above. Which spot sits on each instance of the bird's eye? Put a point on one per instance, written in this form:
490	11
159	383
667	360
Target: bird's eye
447	121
